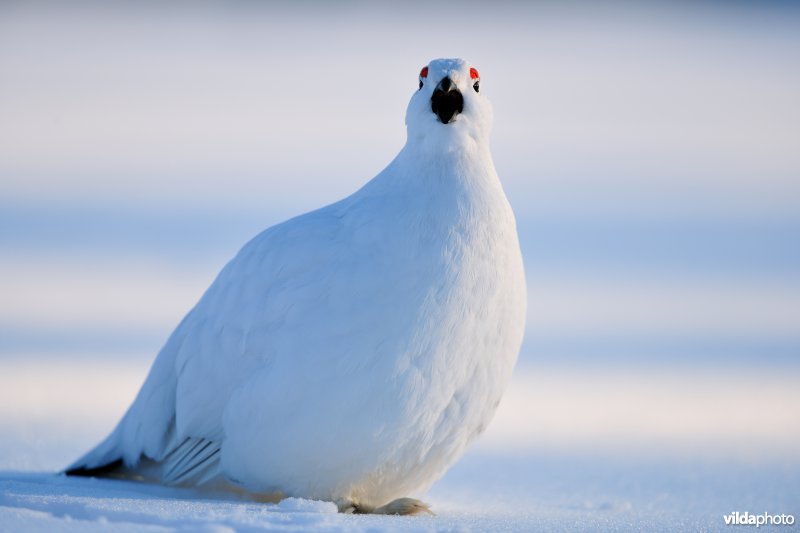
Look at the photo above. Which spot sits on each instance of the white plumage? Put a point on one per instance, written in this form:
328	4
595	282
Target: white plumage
352	353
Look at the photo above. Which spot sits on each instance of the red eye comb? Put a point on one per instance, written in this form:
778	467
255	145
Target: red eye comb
424	72
473	73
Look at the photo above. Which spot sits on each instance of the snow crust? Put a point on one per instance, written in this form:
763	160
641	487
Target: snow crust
578	475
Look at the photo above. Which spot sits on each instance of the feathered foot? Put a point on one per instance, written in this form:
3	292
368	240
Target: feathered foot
400	506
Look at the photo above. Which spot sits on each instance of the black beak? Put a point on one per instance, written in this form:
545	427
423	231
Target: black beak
447	101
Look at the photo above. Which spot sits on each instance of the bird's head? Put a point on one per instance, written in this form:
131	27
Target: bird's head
448	111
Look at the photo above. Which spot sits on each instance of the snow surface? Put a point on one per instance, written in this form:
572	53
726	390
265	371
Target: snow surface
483	492
609	474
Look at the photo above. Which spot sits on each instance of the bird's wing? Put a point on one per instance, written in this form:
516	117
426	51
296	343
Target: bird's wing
305	306
259	306
238	325
303	303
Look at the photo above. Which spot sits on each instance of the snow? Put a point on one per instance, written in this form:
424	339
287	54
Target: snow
570	449
483	492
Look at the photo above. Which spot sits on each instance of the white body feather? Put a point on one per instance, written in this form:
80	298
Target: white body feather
352	353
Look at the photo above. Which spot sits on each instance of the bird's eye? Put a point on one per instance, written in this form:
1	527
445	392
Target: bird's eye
473	73
422	75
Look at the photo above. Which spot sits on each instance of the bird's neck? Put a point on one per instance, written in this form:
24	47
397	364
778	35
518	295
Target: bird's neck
462	166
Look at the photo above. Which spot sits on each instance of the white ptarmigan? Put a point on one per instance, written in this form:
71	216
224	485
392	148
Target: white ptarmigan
351	353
